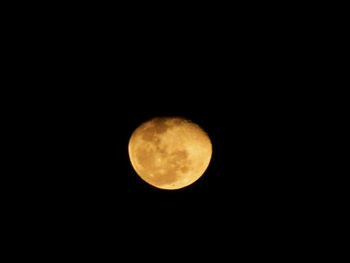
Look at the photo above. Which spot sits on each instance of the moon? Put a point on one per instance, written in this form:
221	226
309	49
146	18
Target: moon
170	152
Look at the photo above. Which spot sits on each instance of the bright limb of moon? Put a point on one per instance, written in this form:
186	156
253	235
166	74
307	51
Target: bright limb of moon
170	153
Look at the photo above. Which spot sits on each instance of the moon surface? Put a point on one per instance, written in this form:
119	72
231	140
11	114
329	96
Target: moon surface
170	153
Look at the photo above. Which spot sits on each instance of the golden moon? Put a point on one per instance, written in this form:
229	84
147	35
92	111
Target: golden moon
170	153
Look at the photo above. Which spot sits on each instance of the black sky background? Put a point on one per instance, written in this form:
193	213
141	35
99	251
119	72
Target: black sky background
94	85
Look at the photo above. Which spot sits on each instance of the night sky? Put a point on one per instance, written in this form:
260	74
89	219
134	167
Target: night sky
243	94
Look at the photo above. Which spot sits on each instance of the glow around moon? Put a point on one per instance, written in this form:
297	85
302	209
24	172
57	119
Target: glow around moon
170	153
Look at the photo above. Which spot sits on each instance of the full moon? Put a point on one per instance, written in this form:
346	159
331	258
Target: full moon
170	153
